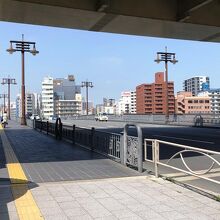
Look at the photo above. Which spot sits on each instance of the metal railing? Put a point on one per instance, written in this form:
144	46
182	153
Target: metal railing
102	142
154	157
121	148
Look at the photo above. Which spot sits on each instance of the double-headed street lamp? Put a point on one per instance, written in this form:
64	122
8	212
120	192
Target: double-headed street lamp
87	85
8	81
166	57
22	46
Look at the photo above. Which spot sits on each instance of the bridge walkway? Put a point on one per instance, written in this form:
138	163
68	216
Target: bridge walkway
39	184
45	159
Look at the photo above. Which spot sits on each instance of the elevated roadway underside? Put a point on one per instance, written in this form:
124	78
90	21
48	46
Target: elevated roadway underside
179	19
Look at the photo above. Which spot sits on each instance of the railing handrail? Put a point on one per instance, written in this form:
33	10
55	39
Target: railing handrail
186	147
204	152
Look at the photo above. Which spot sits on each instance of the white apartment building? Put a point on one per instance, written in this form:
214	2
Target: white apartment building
37	104
47	97
29	104
133	102
196	84
13	110
124	104
214	95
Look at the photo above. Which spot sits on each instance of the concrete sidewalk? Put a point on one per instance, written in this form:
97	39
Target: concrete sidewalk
122	198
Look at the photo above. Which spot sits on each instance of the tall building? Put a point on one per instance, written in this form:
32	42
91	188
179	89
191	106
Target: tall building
18	106
13	110
124	103
186	103
47	97
37	104
214	95
29	104
61	97
90	107
133	102
108	106
108	102
151	98
196	84
67	97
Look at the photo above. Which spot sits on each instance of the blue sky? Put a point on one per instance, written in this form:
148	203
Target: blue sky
113	62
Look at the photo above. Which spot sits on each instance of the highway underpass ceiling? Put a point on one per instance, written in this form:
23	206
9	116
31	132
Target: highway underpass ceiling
180	19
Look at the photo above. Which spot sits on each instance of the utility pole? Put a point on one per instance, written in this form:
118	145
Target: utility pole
22	46
166	57
9	81
87	85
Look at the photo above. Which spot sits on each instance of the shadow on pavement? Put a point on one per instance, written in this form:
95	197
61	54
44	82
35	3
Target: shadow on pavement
9	193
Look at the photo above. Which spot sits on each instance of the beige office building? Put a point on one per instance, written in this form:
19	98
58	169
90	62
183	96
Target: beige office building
186	103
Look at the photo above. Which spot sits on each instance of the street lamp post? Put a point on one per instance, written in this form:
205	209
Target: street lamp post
22	46
87	85
4	96
166	57
8	81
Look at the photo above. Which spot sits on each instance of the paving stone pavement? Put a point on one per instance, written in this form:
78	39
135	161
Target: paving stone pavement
122	198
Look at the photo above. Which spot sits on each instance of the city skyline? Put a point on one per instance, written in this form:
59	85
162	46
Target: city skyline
108	60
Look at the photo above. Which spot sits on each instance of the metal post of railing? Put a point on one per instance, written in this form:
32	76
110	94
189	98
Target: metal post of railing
156	157
92	138
41	125
34	124
122	149
140	146
47	127
140	149
73	134
125	142
61	130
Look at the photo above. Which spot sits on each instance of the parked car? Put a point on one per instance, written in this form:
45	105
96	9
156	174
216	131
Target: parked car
35	116
101	117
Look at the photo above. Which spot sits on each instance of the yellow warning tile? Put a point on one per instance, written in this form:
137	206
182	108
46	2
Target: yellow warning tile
27	208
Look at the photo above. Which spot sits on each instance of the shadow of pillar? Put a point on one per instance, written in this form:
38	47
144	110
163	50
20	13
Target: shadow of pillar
11	192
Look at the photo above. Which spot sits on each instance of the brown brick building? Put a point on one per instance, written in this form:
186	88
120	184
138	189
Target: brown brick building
151	98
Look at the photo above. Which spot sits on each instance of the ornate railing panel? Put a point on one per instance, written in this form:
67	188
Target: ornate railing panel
132	151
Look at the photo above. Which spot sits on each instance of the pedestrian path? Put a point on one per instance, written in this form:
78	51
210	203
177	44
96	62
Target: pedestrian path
44	159
52	179
25	204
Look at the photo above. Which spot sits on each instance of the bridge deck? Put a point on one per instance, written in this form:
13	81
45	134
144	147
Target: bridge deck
45	159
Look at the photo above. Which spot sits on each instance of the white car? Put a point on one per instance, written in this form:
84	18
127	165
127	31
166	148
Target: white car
35	116
101	117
